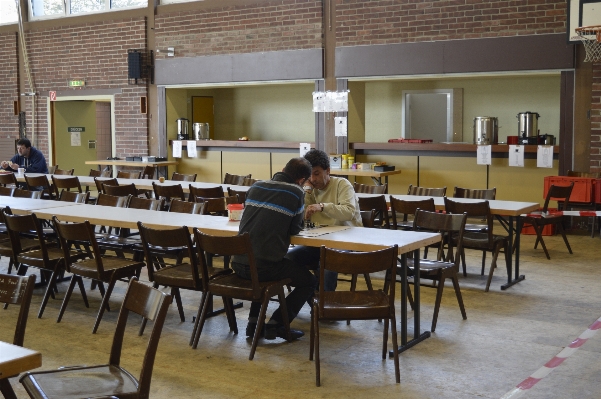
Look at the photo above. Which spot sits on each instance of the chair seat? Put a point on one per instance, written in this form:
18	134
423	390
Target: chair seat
342	305
87	268
181	275
475	240
27	244
81	382
240	288
429	267
35	258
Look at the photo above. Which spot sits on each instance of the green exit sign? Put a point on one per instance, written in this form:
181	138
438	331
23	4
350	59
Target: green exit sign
77	83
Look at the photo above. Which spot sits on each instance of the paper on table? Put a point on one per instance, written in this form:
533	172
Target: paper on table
516	155
483	154
544	156
191	145
322	230
340	126
177	149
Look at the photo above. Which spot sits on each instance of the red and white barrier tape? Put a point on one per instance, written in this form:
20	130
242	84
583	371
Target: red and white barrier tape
564	213
544	371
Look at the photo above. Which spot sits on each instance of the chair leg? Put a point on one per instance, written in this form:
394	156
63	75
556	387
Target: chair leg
207	299
463	262
539	238
312	332
284	311
178	301
493	265
104	304
368	282
483	262
49	290
316	349
439	290
353	289
458	295
67	297
395	346
144	319
385	339
260	324
7	389
82	290
565	239
198	315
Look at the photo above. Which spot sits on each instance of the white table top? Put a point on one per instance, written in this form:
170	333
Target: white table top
362	172
27	205
16	359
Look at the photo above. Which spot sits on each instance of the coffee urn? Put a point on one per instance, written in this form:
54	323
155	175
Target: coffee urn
182	129
528	127
486	130
201	131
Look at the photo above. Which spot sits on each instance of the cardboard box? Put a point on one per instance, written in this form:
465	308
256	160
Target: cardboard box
336	161
365	166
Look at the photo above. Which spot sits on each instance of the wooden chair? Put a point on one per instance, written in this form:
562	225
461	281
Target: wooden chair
181	177
561	194
66	183
216	206
52	169
72	196
111	200
402	209
180	275
168	192
6	191
233	286
99	173
107	269
480	241
358	305
370	188
48	258
120	191
208	192
380	208
249	181
237	180
488	194
240	193
8	180
148	172
128	175
109	380
66	172
20	193
40	181
145	203
427	192
101	182
180	206
6	248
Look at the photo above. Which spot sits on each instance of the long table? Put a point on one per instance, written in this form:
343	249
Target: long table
512	210
121	162
14	360
354	238
375	175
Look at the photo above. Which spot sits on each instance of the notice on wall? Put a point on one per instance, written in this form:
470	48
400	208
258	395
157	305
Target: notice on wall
177	149
191	145
340	126
516	155
304	148
75	139
544	156
483	155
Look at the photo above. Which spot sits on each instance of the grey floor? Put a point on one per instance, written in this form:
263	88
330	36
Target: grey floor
508	335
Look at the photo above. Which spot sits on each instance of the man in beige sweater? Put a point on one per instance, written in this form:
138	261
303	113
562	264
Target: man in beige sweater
329	200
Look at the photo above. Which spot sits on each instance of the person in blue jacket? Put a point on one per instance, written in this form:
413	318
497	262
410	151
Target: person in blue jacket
27	157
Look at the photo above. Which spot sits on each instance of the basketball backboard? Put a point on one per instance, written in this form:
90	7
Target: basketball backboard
582	13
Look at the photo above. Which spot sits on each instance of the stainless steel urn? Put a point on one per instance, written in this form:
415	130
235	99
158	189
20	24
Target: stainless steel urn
201	131
528	124
486	130
182	129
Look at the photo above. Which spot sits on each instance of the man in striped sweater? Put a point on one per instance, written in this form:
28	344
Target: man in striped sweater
274	210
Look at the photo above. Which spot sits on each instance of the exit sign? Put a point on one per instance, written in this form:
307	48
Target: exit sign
76	83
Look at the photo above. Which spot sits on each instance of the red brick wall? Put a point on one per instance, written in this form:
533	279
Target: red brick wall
96	52
273	26
596	119
397	21
9	92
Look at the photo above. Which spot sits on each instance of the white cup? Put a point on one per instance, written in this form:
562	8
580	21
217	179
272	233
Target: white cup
21	171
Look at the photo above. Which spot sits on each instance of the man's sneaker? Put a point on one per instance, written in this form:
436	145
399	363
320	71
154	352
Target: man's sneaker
280	332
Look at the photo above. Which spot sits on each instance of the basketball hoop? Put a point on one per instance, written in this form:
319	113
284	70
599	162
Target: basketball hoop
591	38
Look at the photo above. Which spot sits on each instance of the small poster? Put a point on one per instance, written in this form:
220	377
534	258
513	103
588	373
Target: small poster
516	155
544	156
304	148
177	149
191	145
75	139
319	101
340	128
483	155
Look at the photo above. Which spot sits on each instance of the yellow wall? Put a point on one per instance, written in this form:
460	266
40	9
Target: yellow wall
74	114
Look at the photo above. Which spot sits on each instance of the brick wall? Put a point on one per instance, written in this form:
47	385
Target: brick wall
273	26
96	52
596	119
396	21
9	92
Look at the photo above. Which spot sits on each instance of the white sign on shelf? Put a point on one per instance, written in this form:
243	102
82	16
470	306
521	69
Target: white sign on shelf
544	156
177	149
340	128
516	155
483	155
304	148
191	145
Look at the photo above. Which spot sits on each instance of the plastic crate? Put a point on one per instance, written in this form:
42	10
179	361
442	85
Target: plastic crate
582	191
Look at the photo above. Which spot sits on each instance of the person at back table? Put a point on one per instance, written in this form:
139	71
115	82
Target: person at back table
27	157
329	200
274	210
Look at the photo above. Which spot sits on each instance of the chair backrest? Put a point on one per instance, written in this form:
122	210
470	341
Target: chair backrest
17	290
7	191
19	192
248	181
425	191
96	173
480	209
378	204
77	233
182	177
19	224
240	193
368	218
148	172
151	304
120	191
111	200
52	169
215	206
573	173
489	194
210	192
358	262
101	182
226	246
561	194
8	179
237	180
179	206
154	241
168	191
144	203
33	182
122	174
72	196
406	208
453	224
370	188
66	183
67	172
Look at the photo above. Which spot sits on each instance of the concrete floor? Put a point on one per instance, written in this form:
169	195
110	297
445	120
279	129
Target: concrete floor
508	335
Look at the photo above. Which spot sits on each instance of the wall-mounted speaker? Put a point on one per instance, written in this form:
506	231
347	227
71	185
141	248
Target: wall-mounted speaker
140	66
134	64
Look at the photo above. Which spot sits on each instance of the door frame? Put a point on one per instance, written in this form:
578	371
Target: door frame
50	118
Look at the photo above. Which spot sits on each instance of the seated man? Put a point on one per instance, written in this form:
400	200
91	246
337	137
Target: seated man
274	211
329	200
27	157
